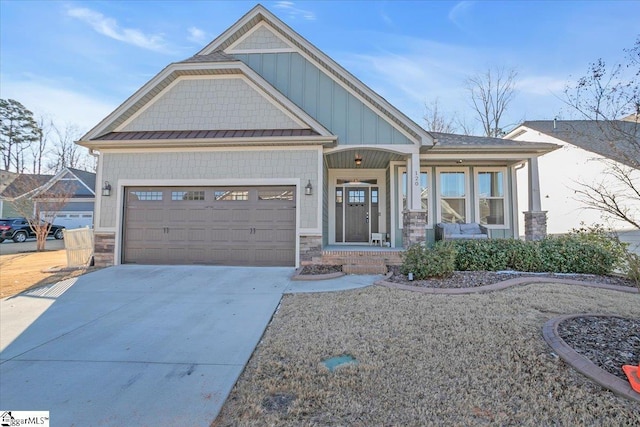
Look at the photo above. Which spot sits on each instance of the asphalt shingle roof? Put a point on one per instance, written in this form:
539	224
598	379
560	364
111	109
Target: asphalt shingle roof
618	140
217	56
25	183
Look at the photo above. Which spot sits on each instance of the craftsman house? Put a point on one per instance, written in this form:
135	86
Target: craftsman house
261	150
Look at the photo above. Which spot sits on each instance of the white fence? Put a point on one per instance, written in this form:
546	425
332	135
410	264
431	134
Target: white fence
79	246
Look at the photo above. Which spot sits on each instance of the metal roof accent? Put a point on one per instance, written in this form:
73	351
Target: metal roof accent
205	134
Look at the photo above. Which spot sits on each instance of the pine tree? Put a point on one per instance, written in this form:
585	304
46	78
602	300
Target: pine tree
18	130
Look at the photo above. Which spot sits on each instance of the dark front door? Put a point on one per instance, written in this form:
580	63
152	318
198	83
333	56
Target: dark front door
357	214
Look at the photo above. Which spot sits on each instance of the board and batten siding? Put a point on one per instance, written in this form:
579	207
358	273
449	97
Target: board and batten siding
322	98
161	168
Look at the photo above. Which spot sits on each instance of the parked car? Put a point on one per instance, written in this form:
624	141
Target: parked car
18	230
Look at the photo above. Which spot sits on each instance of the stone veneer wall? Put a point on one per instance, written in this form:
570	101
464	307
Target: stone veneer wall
535	225
413	227
310	247
104	249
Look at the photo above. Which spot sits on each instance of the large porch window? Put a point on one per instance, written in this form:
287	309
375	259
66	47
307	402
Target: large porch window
490	190
453	196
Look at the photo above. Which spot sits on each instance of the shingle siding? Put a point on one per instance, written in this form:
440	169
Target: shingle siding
211	104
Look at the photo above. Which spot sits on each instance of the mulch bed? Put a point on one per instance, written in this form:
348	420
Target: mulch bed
313	270
472	279
608	342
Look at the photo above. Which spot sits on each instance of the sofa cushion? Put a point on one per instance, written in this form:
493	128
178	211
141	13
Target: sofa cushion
450	229
472	228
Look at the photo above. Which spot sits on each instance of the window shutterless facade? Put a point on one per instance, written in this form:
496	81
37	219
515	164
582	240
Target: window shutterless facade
453	195
491	200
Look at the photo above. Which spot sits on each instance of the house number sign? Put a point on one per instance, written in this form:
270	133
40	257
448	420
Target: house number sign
416	179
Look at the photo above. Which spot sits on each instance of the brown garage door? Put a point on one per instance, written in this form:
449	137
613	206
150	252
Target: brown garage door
210	225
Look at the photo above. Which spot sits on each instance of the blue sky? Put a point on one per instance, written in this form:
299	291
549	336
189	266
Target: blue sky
76	61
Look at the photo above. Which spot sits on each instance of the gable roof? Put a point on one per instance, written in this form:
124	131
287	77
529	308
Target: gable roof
218	64
77	183
260	14
611	139
23	184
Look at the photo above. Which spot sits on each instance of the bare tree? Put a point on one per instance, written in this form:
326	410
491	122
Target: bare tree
435	120
38	204
491	93
616	194
604	96
65	152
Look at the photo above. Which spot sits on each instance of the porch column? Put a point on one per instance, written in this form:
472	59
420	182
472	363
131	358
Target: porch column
535	219
414	217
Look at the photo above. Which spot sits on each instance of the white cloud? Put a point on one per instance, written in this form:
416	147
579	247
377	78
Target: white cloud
460	13
196	35
109	27
293	12
541	85
62	105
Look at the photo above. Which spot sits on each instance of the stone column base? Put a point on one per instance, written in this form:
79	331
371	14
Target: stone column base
310	248
535	225
413	227
104	249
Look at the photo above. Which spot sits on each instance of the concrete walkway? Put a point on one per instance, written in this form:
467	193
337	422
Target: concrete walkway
140	345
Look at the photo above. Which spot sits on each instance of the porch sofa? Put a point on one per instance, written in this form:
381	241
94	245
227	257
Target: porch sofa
461	231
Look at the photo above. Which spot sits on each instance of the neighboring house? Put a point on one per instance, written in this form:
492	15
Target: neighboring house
585	144
261	150
79	187
19	186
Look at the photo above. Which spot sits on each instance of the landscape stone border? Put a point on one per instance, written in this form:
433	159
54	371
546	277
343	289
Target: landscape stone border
517	281
581	363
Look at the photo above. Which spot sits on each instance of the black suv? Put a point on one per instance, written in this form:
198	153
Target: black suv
18	230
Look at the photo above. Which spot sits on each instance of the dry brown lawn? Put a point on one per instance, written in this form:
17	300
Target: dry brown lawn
425	360
19	272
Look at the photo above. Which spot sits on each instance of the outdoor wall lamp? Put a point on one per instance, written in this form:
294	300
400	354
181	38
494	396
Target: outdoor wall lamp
308	189
106	190
358	160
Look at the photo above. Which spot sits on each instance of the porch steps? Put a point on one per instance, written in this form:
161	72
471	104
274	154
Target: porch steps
360	262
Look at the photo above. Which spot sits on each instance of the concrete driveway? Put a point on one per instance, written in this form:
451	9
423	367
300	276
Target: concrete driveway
135	345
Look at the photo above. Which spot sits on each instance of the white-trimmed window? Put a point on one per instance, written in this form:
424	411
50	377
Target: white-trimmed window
453	195
491	204
424	192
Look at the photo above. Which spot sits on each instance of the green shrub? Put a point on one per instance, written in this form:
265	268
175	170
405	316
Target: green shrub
478	255
424	262
575	254
604	238
588	251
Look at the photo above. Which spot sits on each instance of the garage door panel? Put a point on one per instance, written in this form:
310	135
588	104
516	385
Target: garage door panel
210	225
